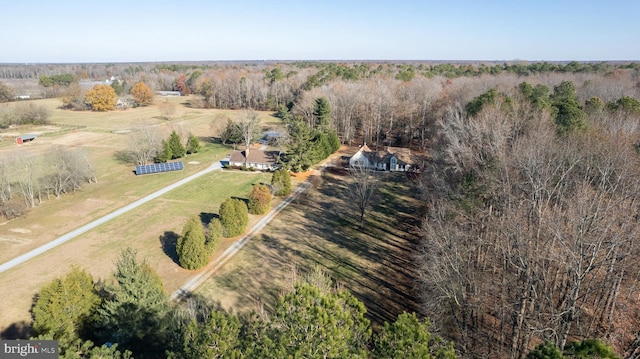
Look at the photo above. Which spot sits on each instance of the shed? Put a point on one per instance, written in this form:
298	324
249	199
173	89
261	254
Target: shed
25	138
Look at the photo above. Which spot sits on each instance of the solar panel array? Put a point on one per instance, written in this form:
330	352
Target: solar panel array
159	167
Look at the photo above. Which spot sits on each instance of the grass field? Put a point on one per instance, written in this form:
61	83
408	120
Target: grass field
321	229
102	135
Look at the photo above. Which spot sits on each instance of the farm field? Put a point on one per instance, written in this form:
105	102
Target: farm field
144	228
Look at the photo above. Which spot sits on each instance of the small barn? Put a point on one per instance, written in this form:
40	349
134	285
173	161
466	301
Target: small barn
25	138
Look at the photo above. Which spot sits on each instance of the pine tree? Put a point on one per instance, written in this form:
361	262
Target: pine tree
281	182
191	246
316	320
177	149
234	216
165	154
409	337
259	199
193	144
66	308
134	313
322	113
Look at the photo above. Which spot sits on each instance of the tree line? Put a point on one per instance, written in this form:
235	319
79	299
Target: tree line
27	179
131	316
529	232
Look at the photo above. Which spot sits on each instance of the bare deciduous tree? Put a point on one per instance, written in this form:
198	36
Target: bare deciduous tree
145	142
249	125
69	168
362	189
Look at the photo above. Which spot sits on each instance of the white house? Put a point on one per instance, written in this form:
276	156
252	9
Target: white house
254	158
393	159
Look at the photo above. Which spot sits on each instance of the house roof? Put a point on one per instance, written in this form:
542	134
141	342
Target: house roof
402	154
254	156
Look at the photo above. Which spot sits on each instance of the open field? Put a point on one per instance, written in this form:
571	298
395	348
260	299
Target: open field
104	134
374	263
117	184
150	229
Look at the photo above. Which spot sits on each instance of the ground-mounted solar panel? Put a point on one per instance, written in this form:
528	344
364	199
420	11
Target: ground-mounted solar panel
159	167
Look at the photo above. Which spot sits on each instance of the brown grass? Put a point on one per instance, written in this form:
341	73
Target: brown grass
96	251
374	263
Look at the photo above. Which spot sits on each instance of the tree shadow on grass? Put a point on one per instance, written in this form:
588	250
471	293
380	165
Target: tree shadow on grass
169	240
206	218
18	330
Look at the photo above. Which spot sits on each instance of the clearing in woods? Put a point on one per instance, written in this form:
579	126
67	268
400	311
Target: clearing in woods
321	228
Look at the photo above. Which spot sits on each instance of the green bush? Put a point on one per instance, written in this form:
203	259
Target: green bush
234	216
281	183
191	246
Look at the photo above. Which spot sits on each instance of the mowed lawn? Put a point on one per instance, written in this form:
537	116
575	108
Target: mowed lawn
146	229
101	135
322	229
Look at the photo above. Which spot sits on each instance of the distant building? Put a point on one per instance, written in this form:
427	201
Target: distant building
168	93
91	83
25	138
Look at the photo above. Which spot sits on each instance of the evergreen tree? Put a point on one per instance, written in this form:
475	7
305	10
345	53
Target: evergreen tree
322	113
134	311
334	141
193	144
567	113
191	246
65	309
259	199
316	320
216	336
546	350
177	149
165	154
475	106
409	337
117	87
281	182
300	153
234	217
590	348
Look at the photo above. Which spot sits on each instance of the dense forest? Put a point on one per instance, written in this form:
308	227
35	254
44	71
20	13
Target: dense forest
529	184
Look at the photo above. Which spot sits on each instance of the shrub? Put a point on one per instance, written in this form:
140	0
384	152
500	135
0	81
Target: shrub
191	246
259	199
234	216
281	182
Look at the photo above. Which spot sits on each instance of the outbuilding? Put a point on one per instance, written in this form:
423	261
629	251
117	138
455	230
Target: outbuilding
25	138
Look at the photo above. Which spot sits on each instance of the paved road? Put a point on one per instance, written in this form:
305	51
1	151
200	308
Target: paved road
212	267
87	227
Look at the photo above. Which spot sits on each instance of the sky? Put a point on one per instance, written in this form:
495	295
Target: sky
89	31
